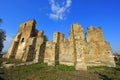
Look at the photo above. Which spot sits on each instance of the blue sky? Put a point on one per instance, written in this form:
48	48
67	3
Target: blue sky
58	15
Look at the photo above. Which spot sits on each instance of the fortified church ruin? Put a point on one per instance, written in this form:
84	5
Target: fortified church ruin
30	44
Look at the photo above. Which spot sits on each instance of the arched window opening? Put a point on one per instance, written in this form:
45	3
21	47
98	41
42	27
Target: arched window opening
22	40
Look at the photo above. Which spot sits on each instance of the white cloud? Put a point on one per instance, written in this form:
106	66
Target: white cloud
58	11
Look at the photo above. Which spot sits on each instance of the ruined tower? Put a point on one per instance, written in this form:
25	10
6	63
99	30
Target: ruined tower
26	41
23	43
99	51
78	50
25	31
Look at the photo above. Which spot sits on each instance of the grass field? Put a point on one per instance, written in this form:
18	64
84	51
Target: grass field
60	72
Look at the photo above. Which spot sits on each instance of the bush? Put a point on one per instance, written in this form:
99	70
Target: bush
118	62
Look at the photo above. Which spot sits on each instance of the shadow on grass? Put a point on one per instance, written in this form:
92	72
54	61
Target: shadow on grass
1	78
103	77
118	69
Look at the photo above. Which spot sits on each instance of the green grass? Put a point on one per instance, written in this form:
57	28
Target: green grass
107	73
65	68
44	72
60	72
51	79
99	67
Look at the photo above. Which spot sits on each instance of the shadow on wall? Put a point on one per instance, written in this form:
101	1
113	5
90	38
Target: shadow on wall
42	52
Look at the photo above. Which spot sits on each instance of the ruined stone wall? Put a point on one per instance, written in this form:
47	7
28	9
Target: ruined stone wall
65	55
98	51
63	49
77	36
94	34
40	47
106	55
50	53
27	29
13	47
11	50
29	54
30	44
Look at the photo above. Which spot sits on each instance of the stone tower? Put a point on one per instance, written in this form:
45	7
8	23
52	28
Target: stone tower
23	40
26	30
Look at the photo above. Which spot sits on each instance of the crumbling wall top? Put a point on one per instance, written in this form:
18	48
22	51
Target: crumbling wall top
58	37
26	25
40	33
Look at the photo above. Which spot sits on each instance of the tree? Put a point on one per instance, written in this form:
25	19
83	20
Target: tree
2	37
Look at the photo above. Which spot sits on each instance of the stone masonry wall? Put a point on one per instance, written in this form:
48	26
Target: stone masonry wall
77	37
40	47
78	50
50	53
29	50
26	29
98	50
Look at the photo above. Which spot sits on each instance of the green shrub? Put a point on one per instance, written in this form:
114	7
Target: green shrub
118	62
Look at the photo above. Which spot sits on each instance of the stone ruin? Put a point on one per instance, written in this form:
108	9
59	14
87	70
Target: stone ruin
30	44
